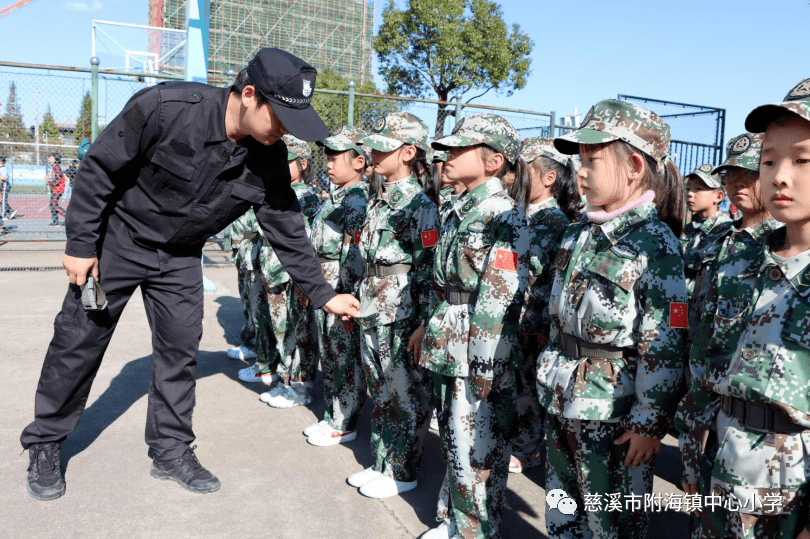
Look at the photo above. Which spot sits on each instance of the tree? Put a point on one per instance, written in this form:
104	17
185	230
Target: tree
12	128
451	46
83	128
48	132
334	109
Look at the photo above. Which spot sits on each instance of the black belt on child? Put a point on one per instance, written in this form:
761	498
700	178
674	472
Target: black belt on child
324	260
574	347
759	417
378	270
456	296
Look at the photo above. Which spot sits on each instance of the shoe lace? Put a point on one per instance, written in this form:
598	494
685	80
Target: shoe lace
191	458
50	457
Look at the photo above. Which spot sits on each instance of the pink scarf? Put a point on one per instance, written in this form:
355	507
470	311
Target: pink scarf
602	216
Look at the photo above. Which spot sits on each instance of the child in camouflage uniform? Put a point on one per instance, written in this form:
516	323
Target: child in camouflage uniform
396	242
297	365
740	171
611	376
699	239
551	202
335	235
752	354
480	271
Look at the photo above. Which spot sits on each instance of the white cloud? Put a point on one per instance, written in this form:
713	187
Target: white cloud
82	6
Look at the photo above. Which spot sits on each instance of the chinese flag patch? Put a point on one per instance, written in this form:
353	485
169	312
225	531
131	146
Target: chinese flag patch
357	236
678	317
430	238
506	260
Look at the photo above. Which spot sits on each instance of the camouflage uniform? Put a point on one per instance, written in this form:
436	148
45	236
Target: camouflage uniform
546	224
247	334
401	228
700	238
748	362
480	271
614	361
335	232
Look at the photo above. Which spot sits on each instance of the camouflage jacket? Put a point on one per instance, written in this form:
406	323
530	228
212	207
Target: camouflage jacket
483	248
401	227
733	240
755	346
335	232
701	240
242	247
619	283
308	201
546	225
446	199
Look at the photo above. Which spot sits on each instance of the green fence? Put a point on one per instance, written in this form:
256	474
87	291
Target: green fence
50	109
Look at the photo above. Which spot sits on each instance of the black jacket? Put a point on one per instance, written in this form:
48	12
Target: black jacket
163	177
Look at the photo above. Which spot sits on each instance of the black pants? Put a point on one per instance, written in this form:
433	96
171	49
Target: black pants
174	308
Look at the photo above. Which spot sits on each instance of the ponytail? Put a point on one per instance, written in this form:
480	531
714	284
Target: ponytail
432	183
419	165
522	185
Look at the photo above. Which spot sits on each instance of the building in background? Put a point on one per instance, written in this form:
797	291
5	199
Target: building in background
335	34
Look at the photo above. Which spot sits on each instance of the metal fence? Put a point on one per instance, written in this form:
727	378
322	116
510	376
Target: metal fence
59	106
697	131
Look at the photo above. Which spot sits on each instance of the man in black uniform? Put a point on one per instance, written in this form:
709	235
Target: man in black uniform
180	163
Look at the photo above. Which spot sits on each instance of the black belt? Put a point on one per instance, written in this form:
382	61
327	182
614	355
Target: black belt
324	260
759	417
249	235
377	270
574	347
456	296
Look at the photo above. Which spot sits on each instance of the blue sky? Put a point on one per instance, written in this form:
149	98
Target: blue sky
729	54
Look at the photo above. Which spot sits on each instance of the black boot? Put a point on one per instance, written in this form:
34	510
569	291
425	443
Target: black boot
45	479
187	471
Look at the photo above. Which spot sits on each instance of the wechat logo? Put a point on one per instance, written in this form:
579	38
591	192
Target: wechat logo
559	500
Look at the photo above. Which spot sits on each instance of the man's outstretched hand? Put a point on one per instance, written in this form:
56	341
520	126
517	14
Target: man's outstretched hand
77	269
344	305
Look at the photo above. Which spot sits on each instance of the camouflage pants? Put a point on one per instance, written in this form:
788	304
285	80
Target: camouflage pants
266	355
476	439
344	385
583	461
300	363
401	391
248	332
276	328
528	443
712	522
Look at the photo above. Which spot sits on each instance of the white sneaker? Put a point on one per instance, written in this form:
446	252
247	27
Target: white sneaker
445	530
317	427
327	436
361	478
385	487
434	422
284	396
241	352
252	375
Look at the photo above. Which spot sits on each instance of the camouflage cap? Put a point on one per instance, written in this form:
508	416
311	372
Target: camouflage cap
611	120
396	129
542	147
487	129
705	174
346	138
742	151
435	156
297	148
796	101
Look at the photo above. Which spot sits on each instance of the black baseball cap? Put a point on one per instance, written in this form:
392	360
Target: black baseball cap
287	83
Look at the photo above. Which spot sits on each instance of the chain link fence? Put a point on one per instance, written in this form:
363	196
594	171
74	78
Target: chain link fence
49	110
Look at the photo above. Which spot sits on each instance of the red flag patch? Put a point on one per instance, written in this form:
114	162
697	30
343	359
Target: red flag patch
430	238
678	317
357	236
506	260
